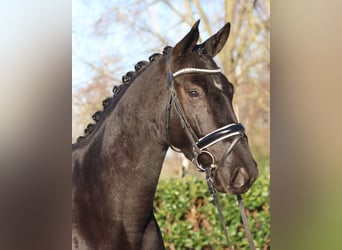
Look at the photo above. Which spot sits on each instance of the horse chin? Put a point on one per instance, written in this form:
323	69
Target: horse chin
238	182
223	189
229	189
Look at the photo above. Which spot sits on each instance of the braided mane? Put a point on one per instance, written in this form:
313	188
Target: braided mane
119	90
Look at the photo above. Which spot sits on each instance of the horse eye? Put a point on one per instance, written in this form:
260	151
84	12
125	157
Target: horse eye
193	93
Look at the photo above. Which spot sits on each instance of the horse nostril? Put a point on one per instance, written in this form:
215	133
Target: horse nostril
240	178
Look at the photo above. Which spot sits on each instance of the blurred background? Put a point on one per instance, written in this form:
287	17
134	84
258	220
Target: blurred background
110	37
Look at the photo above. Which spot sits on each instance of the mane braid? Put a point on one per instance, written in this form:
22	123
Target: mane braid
97	115
118	91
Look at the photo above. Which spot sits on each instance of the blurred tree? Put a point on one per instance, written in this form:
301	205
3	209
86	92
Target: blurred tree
154	24
87	99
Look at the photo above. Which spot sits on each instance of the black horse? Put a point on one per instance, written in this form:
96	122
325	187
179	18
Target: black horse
178	99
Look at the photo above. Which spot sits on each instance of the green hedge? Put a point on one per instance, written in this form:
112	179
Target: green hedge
188	219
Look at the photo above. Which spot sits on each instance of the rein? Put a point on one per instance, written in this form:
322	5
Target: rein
200	145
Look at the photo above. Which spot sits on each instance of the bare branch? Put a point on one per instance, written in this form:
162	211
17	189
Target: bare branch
184	18
204	17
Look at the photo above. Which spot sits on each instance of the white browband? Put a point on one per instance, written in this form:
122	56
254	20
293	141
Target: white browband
196	70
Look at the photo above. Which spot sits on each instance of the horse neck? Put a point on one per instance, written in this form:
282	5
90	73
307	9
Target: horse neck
122	160
134	134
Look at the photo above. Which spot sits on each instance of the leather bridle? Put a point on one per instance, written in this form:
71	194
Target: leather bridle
200	145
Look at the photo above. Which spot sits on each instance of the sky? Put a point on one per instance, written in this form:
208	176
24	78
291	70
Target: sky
85	45
89	47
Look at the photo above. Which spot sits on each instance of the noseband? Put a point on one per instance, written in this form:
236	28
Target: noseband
200	145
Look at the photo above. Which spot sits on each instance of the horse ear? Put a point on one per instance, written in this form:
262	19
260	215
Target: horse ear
215	43
188	42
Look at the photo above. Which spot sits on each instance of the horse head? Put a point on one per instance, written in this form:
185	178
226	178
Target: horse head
202	121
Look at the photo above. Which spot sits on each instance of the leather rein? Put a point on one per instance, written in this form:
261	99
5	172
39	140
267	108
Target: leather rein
200	145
